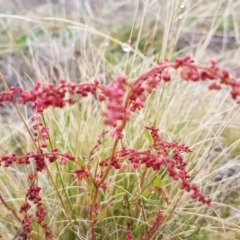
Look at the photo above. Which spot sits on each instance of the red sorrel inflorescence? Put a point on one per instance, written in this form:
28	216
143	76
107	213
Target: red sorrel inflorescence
122	100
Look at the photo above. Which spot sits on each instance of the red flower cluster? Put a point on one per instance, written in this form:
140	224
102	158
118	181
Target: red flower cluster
6	97
43	97
82	173
39	158
34	197
158	221
55	96
122	97
116	110
161	153
26	227
191	71
129	236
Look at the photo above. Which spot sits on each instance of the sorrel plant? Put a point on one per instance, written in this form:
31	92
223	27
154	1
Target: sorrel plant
121	100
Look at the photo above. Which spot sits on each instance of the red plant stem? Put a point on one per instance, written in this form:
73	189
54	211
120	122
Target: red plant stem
114	145
109	164
98	184
10	209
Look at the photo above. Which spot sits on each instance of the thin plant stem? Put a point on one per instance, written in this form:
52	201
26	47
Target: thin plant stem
10	209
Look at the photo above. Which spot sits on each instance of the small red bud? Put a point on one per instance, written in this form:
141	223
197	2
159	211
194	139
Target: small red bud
44	145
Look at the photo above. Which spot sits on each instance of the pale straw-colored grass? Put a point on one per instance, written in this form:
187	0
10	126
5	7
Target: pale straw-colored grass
184	112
